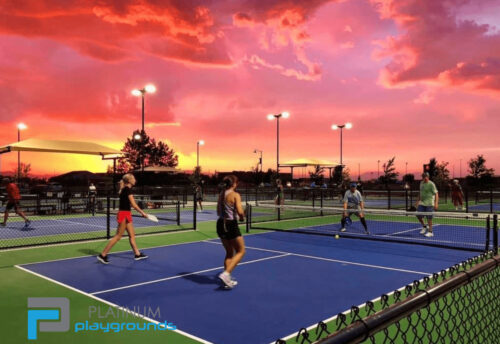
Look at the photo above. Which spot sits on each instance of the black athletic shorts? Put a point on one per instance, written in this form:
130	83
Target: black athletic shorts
12	204
228	229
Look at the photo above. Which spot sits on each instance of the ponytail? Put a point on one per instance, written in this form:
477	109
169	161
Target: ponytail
126	179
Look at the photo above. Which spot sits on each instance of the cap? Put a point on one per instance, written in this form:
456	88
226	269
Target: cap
425	174
353	185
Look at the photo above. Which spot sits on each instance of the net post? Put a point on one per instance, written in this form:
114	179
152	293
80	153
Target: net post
495	233
194	212
108	217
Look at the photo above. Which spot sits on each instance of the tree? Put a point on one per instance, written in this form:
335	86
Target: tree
390	174
478	169
195	178
317	174
23	171
145	150
442	174
409	178
479	173
341	175
432	168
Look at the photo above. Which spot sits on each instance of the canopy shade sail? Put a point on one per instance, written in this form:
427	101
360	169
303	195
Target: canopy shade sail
55	146
308	162
159	169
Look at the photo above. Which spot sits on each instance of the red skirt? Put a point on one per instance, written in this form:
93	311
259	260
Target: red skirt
124	215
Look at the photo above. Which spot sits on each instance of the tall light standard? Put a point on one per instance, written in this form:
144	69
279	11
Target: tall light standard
341	127
198	144
149	88
284	114
260	158
406	171
20	126
378	168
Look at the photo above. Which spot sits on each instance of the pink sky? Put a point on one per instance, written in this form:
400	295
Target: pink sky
417	78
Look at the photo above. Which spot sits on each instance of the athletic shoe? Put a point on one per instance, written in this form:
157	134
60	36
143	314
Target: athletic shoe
226	279
342	229
234	282
103	259
424	230
367	232
27	224
429	234
141	256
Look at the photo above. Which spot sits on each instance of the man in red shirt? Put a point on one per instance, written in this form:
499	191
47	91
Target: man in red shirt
14	197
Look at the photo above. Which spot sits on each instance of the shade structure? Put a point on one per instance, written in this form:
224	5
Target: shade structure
56	146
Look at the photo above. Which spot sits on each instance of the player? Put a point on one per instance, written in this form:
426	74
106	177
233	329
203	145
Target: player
428	200
229	209
353	201
457	195
13	197
279	200
124	219
199	196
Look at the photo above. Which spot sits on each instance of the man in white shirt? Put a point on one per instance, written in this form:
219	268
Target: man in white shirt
353	200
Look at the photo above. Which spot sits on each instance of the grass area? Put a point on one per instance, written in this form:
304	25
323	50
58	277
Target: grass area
16	286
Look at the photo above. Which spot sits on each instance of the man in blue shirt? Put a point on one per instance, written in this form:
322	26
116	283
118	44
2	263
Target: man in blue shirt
353	200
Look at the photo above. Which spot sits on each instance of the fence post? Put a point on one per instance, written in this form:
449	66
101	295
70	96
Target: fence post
178	210
488	230
194	211
388	198
491	200
406	199
466	200
495	233
108	217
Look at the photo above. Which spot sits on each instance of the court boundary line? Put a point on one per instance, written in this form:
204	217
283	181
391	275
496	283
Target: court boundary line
332	260
137	315
183	275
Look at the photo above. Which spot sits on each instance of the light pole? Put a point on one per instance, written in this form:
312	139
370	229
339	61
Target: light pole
406	171
20	126
341	127
284	114
198	144
149	88
260	158
378	168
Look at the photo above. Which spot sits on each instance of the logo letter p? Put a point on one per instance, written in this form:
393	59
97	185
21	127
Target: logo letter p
61	314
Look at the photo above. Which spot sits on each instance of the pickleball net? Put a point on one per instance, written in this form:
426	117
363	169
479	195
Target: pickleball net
164	210
465	231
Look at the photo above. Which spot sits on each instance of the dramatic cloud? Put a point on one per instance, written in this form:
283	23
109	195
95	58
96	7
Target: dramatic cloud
440	43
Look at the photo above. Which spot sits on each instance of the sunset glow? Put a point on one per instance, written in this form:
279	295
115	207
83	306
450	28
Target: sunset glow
416	78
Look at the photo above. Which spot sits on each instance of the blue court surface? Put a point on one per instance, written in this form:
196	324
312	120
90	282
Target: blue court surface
286	281
41	226
485	207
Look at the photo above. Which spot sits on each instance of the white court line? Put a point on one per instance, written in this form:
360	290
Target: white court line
408	230
179	276
332	260
140	316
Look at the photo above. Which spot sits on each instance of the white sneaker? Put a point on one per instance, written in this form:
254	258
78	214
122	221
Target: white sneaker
423	231
226	279
234	282
342	229
429	234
